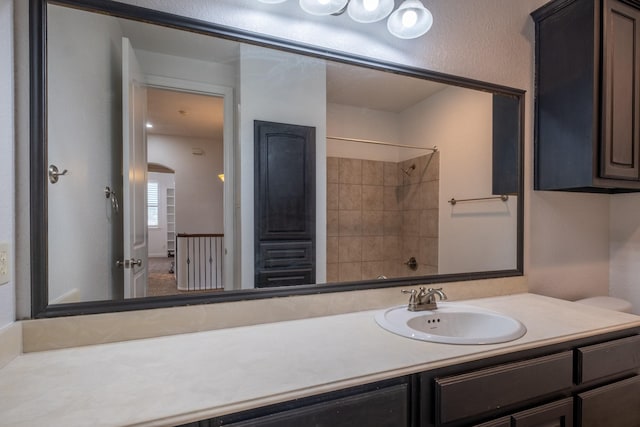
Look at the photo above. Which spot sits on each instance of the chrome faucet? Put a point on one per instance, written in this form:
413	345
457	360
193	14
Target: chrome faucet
424	299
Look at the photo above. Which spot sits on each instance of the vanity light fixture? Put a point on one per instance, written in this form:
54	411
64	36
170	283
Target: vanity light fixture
409	21
366	11
323	7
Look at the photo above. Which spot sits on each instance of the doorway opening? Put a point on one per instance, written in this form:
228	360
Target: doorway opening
186	196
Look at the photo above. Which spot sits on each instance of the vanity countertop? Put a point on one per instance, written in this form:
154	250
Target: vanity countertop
182	378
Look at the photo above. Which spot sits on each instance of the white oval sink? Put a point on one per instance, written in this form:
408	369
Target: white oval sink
451	323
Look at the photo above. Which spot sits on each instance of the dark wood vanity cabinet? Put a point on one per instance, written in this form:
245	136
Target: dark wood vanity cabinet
613	367
381	404
587	117
592	382
285	204
588	383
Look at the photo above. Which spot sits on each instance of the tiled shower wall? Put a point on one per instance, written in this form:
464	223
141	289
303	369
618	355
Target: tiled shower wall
379	216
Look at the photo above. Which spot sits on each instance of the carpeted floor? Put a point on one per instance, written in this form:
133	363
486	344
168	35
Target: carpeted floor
162	282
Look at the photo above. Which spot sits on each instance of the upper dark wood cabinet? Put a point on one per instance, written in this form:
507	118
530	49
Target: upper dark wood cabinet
506	150
587	121
285	204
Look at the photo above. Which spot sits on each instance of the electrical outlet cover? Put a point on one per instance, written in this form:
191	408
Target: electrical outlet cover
5	267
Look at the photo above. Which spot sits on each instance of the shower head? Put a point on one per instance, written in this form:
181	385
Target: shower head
408	170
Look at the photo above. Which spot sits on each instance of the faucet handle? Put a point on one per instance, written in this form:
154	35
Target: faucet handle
439	292
413	292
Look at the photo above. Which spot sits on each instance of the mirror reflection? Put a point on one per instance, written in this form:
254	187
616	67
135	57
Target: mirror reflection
196	164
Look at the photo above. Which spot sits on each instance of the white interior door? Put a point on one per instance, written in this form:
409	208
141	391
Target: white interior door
134	158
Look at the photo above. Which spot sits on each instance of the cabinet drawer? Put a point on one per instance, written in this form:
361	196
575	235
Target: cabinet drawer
607	359
267	278
556	414
461	396
388	407
286	254
613	405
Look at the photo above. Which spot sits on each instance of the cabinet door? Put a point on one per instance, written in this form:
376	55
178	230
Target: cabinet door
387	407
614	405
620	150
285	210
483	391
557	414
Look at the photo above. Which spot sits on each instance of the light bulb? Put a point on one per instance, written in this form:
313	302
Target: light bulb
409	18
371	5
366	11
324	1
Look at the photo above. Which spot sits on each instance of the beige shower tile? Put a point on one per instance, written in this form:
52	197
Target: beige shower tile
373	248
350	249
373	270
372	197
350	223
412	170
429	223
332	272
391	174
350	171
411	197
392	223
372	172
391	199
350	271
429	251
332	249
411	248
332	196
333	164
411	223
394	268
432	168
350	197
333	223
372	223
391	247
431	193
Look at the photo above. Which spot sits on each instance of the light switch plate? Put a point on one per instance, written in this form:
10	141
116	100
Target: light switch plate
5	267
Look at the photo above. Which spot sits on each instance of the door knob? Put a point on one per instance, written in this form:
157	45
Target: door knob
129	263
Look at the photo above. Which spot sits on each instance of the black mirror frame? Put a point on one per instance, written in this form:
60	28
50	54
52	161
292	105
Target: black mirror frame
40	307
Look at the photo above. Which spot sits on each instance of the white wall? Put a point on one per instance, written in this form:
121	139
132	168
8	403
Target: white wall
566	235
7	201
84	137
473	236
199	192
285	88
158	235
175	67
624	269
360	123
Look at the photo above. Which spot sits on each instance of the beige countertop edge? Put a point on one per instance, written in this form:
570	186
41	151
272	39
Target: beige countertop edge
366	379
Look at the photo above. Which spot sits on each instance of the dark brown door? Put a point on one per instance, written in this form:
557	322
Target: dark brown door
621	92
285	204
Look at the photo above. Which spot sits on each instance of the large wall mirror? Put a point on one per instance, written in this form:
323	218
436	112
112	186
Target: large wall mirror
177	162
